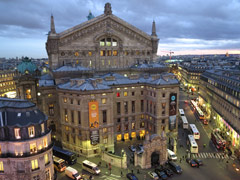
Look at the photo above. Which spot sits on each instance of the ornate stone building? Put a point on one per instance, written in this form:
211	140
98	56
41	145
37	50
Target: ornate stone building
104	42
105	86
25	142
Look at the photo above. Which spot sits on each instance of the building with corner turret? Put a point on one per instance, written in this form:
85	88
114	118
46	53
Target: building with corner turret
25	141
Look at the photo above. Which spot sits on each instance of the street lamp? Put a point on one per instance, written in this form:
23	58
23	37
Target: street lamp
122	152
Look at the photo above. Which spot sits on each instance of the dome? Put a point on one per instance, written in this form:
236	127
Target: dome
26	66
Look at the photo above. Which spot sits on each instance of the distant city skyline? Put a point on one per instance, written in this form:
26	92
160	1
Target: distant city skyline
184	27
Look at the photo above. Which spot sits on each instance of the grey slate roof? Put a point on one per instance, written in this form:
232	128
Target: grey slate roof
20	113
71	68
111	79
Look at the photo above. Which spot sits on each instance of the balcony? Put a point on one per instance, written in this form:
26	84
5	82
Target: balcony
28	154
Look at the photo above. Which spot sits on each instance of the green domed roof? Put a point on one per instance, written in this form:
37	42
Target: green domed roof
26	66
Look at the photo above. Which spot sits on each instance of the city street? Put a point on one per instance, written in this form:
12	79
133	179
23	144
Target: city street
216	165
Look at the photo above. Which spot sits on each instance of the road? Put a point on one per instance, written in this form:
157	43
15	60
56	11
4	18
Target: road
216	166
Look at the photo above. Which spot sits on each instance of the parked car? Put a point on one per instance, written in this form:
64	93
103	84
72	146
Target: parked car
198	161
176	168
168	172
131	176
132	148
161	174
153	175
191	162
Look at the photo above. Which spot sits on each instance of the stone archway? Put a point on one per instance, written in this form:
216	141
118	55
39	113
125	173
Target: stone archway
155	151
155	158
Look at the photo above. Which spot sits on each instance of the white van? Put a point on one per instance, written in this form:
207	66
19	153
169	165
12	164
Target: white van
171	155
72	173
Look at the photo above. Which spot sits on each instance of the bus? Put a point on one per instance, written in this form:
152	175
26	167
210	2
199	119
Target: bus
194	131
185	122
90	167
193	146
200	114
59	164
69	157
181	111
217	140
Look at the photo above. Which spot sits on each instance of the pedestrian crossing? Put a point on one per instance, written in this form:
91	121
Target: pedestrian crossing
204	155
111	177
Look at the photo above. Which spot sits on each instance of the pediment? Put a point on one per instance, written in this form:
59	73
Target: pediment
101	25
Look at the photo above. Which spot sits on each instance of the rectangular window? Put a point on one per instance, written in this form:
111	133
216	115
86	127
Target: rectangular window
142	105
66	115
141	92
31	131
163	105
142	124
71	101
133	106
72	116
17	133
147	105
104	130
79	117
163	94
34	164
104	101
33	148
133	93
126	118
42	128
105	140
118	108
65	100
125	93
126	127
104	112
133	126
46	159
45	143
126	107
1	166
78	102
109	52
118	94
115	52
150	106
119	128
102	53
0	150
118	119
51	109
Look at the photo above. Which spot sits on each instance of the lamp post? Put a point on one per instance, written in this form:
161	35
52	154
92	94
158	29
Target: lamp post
122	152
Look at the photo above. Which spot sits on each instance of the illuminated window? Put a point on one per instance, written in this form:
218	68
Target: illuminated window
102	53
33	148
104	101
142	86
119	137
125	93
90	63
1	167
137	53
103	94
118	94
42	128
45	142
115	52
17	133
114	42
102	42
133	125
104	130
49	95
103	63
67	128
66	115
31	131
28	94
89	53
142	125
108	42
118	88
34	164
46	159
64	100
109	53
105	140
51	109
76	54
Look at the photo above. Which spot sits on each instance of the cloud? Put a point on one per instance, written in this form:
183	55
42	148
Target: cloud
207	24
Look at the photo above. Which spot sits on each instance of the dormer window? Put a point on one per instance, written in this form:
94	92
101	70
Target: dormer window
31	131
17	133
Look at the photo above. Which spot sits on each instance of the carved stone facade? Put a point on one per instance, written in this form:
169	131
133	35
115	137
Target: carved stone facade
153	146
104	42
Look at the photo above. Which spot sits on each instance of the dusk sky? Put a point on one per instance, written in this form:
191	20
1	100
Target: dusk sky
183	26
